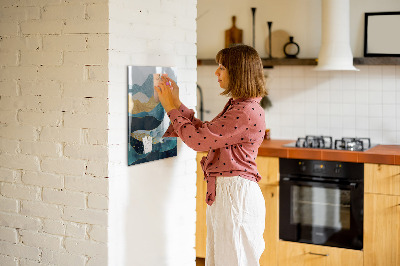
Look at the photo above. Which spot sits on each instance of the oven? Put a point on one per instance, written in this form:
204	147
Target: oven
321	202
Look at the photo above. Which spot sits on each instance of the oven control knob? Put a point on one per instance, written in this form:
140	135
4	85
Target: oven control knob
338	168
302	166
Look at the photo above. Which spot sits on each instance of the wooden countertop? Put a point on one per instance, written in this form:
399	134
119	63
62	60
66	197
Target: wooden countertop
380	154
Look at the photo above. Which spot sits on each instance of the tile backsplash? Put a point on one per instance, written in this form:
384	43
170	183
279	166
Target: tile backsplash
363	103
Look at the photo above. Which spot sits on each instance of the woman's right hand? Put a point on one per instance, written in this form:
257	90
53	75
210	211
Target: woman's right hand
175	90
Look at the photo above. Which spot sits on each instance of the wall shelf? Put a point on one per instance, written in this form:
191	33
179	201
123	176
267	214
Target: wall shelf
269	63
288	62
377	61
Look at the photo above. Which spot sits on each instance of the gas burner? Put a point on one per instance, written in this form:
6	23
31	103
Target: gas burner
322	142
325	142
353	144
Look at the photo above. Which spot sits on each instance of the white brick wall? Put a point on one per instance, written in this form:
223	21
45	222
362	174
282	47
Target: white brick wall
53	132
60	138
152	205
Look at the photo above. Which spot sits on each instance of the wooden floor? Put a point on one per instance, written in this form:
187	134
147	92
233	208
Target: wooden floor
200	262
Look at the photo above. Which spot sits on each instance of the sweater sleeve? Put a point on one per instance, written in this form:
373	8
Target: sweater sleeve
230	128
187	113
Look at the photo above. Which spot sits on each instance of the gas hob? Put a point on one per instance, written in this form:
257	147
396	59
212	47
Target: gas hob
327	142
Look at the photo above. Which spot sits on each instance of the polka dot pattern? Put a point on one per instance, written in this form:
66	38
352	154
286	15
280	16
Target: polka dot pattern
232	139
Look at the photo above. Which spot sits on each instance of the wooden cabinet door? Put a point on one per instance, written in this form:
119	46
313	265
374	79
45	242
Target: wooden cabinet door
381	230
201	205
268	168
299	254
382	179
271	232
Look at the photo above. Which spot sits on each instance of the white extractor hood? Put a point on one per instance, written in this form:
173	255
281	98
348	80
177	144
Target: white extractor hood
335	52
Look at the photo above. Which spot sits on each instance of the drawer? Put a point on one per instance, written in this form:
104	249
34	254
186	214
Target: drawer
268	167
382	179
299	254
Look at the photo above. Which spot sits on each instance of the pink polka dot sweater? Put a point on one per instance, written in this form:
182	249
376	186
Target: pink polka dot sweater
232	139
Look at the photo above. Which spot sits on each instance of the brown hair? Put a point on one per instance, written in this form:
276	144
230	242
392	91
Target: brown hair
245	69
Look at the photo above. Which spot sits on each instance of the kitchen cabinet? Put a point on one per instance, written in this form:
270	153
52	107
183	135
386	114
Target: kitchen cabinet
382	179
269	185
381	221
269	170
381	230
300	254
201	205
271	232
382	215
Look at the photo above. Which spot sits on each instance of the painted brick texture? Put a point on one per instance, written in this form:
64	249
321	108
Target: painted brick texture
151	205
63	133
53	132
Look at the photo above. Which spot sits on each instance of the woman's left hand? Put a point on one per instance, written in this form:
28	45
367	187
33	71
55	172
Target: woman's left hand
165	95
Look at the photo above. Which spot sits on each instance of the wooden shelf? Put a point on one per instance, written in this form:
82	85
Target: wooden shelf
377	61
269	63
289	62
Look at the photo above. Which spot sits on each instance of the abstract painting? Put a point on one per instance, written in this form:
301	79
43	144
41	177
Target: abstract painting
147	119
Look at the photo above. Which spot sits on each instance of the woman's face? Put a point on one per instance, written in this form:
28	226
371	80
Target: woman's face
223	76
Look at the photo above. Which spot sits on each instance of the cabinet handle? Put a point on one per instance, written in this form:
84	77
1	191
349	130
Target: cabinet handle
318	254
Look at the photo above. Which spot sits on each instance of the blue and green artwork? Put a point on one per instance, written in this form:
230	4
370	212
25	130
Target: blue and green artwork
147	119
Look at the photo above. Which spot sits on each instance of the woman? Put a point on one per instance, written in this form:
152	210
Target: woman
236	211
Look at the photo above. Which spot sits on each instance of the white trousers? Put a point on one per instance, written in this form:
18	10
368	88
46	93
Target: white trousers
235	223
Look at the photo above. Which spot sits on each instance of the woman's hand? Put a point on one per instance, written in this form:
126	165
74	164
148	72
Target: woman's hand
175	90
165	95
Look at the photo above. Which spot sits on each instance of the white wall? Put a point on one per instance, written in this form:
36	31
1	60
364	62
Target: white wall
337	103
301	19
334	103
63	132
53	133
152	205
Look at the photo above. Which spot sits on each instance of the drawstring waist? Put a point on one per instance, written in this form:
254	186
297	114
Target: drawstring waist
212	180
210	196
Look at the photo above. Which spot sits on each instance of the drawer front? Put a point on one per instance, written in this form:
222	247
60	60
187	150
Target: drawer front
382	179
299	254
268	167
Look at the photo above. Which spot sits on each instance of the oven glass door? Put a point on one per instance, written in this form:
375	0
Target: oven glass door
322	213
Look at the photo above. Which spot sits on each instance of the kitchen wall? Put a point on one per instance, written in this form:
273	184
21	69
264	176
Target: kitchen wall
341	104
297	18
300	19
337	103
152	205
63	134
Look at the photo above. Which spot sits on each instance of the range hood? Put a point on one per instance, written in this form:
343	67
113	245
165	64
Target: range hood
335	52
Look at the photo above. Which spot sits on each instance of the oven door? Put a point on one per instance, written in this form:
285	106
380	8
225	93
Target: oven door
321	212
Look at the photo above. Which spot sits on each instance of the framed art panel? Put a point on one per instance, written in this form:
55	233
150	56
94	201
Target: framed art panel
381	34
147	119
